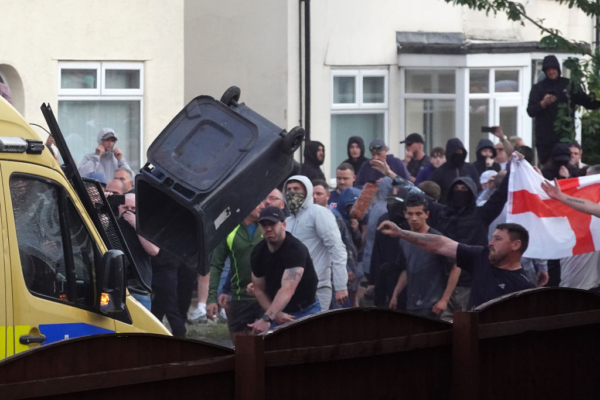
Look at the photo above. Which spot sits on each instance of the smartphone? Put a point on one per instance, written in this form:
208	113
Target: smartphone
488	129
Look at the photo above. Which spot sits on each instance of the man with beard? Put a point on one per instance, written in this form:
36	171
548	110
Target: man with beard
455	167
415	158
314	155
496	269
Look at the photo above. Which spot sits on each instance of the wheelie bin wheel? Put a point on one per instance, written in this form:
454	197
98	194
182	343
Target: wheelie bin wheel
231	96
292	140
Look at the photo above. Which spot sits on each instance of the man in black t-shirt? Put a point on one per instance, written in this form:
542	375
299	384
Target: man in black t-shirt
496	270
285	281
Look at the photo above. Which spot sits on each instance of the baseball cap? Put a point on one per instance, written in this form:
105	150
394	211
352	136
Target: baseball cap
107	133
486	176
377	145
271	213
413	138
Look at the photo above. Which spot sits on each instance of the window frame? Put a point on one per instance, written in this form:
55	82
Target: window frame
103	94
359	75
359	107
122	66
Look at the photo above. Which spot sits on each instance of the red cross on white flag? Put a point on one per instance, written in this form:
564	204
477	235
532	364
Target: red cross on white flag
555	229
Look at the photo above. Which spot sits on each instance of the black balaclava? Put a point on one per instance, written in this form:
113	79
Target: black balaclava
458	159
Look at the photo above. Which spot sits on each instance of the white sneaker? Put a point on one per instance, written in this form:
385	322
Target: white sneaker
223	315
196	314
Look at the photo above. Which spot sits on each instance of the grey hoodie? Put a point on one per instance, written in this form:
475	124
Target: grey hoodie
316	228
107	164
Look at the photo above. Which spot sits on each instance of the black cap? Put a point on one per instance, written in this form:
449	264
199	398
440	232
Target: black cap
377	145
413	138
271	213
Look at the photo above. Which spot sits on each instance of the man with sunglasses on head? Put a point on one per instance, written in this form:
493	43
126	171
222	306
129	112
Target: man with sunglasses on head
379	152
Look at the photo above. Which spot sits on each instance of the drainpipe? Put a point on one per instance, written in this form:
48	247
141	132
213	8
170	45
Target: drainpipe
307	68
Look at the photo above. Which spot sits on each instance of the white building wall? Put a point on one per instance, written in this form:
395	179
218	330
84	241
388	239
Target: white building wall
37	34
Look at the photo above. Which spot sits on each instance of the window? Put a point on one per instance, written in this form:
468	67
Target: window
429	97
96	95
359	105
42	212
495	97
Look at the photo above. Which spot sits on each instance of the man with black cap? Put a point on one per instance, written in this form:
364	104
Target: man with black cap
106	159
285	281
544	100
415	158
379	152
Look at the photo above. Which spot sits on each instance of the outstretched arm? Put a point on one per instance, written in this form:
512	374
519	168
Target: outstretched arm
432	243
582	205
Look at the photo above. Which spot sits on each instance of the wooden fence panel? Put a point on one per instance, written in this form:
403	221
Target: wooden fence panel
117	363
539	344
358	354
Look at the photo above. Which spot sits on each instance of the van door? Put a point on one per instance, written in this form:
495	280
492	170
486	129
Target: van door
52	259
5	348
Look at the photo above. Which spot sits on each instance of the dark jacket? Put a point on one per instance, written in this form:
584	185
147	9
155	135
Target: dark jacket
480	162
545	134
311	166
356	162
370	174
448	172
469	224
425	174
348	197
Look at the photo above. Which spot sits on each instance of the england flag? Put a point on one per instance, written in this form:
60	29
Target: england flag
555	229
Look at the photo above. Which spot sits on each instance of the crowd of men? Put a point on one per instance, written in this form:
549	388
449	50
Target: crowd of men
431	240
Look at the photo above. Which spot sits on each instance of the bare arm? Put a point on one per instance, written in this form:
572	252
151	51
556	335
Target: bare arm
402	281
581	205
260	293
151	249
508	149
432	243
289	282
450	286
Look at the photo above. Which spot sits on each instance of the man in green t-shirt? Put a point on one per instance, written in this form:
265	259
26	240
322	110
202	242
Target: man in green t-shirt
243	308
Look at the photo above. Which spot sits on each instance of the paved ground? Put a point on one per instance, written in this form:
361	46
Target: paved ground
209	331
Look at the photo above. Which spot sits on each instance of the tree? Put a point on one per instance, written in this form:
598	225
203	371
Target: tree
584	70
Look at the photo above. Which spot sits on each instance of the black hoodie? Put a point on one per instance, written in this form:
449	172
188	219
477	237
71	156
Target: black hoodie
311	167
356	162
480	163
450	170
544	117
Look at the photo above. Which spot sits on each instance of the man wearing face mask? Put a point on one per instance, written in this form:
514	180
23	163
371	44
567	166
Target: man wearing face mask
453	168
559	166
316	228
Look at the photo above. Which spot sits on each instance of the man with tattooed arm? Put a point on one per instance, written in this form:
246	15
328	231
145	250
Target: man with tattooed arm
496	269
285	281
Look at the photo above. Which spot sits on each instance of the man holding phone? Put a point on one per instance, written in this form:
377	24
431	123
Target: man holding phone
544	100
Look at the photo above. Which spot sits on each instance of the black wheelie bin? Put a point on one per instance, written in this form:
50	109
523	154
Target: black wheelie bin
206	171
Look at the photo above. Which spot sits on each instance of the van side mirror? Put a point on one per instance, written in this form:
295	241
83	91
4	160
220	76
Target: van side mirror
111	282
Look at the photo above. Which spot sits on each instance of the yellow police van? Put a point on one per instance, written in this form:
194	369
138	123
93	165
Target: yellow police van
58	280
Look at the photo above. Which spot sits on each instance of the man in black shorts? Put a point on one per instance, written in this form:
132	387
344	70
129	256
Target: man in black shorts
496	270
285	281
